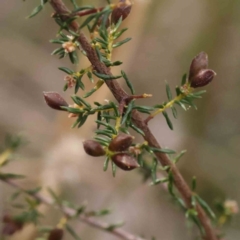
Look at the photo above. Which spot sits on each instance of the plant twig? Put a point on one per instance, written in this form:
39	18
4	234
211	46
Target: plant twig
120	94
70	212
87	12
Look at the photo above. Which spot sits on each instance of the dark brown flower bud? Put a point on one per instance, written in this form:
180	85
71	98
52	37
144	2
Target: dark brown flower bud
121	142
54	100
122	9
200	62
125	161
203	78
11	225
93	148
56	234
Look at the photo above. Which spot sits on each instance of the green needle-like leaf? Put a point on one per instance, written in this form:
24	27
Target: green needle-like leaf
105	165
168	120
168	90
129	84
106	77
205	207
72	232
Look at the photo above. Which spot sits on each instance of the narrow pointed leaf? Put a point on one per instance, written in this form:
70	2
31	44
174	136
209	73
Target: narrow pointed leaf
184	79
168	120
118	44
6	176
206	207
66	70
174	112
88	20
105	165
168	90
138	130
162	150
114	169
177	158
128	111
73	57
106	77
72	232
129	84
194	183
35	11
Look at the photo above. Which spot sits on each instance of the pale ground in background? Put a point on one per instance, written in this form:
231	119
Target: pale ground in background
166	35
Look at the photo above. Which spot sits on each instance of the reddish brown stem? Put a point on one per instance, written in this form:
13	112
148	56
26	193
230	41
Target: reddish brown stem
148	119
121	106
120	94
139	96
87	12
127	100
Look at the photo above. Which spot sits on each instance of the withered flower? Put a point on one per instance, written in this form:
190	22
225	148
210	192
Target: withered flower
69	47
231	207
70	81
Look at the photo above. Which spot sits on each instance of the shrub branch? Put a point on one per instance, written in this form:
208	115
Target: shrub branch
70	212
120	95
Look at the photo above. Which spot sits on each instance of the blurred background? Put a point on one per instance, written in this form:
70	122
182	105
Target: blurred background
166	36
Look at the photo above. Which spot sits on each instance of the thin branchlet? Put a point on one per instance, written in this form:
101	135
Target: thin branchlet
70	212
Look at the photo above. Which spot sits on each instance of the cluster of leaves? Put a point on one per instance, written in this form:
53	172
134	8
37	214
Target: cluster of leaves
151	169
184	98
61	51
79	210
12	143
29	212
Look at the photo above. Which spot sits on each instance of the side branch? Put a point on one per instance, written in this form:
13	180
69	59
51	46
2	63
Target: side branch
120	94
70	212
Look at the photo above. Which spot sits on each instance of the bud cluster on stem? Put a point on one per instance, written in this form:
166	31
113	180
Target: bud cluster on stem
199	74
117	151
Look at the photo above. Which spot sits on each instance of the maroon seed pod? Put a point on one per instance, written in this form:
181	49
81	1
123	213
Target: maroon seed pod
56	234
122	9
200	62
121	142
93	148
125	161
10	226
54	100
203	78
